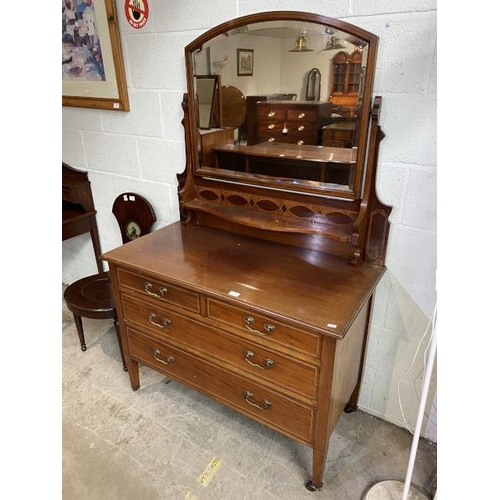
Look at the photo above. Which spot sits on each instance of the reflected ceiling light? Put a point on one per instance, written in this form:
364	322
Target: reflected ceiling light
334	44
301	43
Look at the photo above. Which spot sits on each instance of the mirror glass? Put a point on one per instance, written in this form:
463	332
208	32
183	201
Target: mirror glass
299	88
207	101
313	91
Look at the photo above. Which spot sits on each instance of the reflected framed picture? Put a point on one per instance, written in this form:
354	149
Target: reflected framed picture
245	62
93	74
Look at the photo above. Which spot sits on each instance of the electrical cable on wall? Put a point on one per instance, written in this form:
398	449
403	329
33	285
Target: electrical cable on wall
387	490
431	323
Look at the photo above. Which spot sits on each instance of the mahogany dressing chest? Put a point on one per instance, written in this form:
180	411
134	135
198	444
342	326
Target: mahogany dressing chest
260	295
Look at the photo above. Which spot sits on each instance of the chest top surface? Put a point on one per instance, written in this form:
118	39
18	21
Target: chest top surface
319	291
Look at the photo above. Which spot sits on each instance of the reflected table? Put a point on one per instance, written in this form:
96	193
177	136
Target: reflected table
290	161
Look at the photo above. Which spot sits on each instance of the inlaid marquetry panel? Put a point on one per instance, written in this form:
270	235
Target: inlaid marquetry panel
284	208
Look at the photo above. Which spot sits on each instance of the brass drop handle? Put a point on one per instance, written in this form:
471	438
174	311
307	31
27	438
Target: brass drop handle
148	287
250	321
302	115
271	126
271	113
270	139
268	363
301	128
300	142
152	319
265	405
170	358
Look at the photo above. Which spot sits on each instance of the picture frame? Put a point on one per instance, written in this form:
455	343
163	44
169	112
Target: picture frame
93	74
245	62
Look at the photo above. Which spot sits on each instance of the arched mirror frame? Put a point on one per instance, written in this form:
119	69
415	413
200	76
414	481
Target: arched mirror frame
193	152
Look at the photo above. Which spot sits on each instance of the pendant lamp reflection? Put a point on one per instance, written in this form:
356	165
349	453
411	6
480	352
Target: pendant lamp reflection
334	44
301	43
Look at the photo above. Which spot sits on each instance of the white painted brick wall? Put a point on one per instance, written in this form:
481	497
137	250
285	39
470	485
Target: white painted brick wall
143	150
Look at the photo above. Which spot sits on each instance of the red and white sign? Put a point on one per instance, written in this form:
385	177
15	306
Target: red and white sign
137	13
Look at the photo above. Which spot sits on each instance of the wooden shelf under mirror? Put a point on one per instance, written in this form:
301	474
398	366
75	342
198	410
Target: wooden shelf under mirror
260	296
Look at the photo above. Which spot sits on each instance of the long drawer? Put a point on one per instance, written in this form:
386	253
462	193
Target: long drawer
293	136
262	329
271	367
263	404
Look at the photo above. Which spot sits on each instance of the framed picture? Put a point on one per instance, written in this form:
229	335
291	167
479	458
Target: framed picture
245	62
93	74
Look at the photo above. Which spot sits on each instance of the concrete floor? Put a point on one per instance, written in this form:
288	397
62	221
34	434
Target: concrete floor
156	443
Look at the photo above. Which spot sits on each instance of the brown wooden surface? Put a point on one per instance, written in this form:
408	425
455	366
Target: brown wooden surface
299	343
261	267
369	39
132	207
285	415
294	122
251	122
233	106
92	296
292	152
339	134
214	138
218	262
177	302
78	212
224	348
346	75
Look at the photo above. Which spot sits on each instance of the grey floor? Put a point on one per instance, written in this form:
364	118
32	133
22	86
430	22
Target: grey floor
157	443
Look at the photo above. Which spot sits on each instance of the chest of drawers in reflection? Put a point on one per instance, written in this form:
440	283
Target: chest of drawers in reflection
293	122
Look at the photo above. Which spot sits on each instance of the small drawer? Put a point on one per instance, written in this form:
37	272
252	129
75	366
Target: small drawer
271	126
262	329
303	115
267	112
307	136
270	367
333	144
162	291
264	405
341	134
293	137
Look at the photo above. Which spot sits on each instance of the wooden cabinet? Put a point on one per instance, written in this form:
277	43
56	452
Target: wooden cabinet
212	138
295	122
339	134
78	212
347	81
209	314
251	120
260	297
